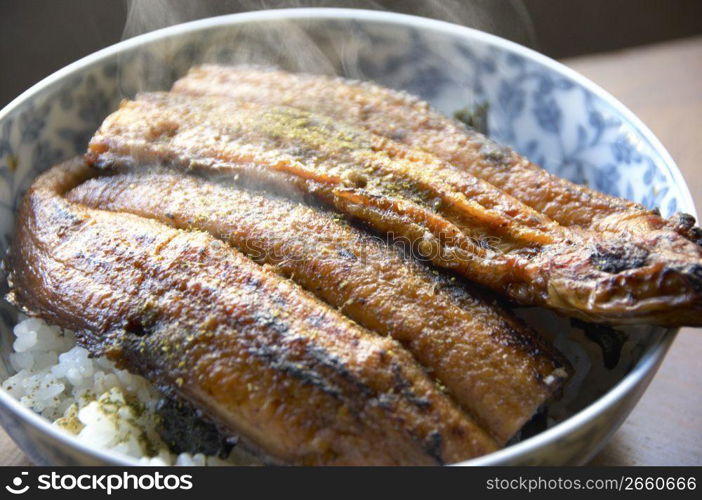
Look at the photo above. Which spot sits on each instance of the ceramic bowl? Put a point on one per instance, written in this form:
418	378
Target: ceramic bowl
544	110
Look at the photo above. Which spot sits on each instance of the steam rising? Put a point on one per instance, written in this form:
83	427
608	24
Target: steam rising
290	46
301	45
506	18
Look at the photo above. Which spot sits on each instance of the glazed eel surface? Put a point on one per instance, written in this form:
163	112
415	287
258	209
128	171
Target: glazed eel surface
292	376
407	119
454	219
489	362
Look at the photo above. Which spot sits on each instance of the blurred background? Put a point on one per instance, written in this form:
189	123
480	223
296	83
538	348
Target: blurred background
37	37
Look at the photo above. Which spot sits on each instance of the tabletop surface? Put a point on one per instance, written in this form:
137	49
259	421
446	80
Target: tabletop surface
661	84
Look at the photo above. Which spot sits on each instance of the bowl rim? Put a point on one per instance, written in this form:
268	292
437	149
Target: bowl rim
644	367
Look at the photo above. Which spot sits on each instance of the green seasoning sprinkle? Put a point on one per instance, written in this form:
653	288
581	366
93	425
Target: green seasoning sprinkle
475	117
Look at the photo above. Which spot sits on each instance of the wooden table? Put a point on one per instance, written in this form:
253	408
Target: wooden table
661	84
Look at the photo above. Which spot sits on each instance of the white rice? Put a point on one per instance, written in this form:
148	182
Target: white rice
88	397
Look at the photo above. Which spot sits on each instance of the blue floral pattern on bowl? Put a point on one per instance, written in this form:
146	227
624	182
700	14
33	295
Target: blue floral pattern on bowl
534	105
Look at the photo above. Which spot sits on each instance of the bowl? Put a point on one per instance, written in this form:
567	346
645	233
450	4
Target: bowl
539	107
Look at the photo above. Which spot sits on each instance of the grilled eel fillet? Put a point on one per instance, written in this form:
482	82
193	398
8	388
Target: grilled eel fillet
456	220
407	119
489	362
255	352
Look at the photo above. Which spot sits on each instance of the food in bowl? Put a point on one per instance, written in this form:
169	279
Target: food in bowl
411	121
105	407
366	278
140	248
457	221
